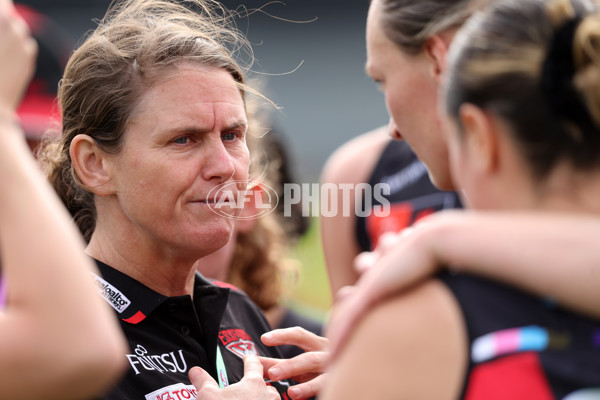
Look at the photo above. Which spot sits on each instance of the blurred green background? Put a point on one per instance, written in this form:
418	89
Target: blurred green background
311	296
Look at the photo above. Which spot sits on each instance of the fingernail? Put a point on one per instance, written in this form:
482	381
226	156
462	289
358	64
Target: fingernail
267	335
295	393
194	374
275	373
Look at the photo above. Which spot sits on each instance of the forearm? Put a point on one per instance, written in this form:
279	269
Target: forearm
551	255
50	288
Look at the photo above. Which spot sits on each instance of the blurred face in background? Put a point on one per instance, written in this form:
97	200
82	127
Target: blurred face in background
411	92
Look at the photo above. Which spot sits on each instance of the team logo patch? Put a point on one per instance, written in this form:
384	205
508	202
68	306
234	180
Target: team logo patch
238	342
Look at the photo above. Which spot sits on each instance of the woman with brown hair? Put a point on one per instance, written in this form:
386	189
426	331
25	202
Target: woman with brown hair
154	118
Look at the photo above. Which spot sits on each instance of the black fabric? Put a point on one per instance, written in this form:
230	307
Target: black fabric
169	335
570	361
410	185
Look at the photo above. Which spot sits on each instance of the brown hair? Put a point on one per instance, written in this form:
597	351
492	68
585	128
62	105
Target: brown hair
409	23
503	60
132	48
260	264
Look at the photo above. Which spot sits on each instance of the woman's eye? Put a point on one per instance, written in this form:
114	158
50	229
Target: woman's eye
182	140
229	136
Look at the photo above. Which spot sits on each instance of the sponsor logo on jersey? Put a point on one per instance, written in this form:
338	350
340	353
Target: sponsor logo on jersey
167	362
111	294
178	391
238	342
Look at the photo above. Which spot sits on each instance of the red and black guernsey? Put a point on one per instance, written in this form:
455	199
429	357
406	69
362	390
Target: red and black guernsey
412	195
168	336
523	347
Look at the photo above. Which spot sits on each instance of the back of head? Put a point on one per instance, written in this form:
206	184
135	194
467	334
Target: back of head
133	48
535	64
409	23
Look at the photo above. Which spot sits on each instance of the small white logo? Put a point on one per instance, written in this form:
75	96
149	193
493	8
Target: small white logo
178	391
167	362
229	199
111	294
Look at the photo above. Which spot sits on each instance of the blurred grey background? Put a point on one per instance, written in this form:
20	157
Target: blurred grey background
325	101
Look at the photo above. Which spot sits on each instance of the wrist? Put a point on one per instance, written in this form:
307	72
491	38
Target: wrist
8	117
444	234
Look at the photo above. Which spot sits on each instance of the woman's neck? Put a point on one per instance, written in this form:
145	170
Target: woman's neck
570	191
162	270
564	190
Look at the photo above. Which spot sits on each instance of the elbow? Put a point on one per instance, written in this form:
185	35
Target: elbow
105	362
89	366
97	363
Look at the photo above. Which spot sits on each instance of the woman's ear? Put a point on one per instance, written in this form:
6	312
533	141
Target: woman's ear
480	139
89	162
436	49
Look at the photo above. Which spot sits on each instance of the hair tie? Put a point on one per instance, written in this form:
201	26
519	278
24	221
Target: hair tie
558	71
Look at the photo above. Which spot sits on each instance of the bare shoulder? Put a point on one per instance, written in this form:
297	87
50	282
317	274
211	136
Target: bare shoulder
353	161
403	345
351	164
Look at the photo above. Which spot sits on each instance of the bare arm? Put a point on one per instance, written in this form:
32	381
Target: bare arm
411	346
350	164
550	255
58	340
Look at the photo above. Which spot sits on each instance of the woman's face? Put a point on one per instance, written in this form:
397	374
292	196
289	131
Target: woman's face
410	88
186	136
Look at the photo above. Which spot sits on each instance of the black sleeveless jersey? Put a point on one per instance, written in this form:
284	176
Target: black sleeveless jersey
523	347
411	194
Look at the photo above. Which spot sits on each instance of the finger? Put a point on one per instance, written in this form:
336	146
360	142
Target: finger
267	363
296	336
308	389
341	323
274	393
306	363
364	261
202	380
344	292
252	367
387	241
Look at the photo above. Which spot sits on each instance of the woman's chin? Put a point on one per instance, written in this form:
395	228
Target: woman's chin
214	238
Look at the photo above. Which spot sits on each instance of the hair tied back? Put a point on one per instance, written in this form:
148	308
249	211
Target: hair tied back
558	71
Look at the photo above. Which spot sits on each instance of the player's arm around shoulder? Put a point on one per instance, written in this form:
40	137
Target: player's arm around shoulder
350	165
410	346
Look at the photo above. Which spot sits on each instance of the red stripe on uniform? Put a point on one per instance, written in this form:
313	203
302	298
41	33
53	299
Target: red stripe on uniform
136	318
515	377
225	285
